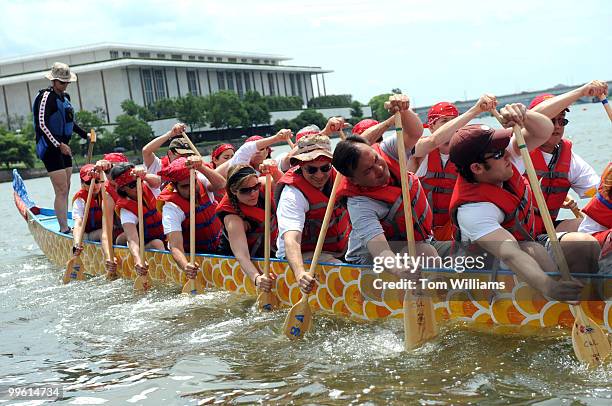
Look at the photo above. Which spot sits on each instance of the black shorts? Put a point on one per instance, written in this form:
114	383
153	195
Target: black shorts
54	160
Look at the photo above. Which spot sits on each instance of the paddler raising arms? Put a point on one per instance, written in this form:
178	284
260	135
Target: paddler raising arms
178	148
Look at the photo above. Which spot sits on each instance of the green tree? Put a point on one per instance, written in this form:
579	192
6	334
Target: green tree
256	108
356	112
225	110
337	100
164	108
88	120
132	131
130	108
191	111
283	123
279	103
310	116
15	148
377	103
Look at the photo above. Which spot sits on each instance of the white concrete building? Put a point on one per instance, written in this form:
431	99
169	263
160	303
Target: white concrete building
109	73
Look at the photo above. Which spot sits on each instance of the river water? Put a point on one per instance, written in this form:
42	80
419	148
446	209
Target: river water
104	345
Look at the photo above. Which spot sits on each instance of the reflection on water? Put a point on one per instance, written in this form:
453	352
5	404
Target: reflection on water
106	345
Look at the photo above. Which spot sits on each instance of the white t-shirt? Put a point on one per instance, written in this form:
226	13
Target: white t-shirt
590	226
479	219
422	171
173	216
290	215
582	176
155	167
244	154
78	208
127	217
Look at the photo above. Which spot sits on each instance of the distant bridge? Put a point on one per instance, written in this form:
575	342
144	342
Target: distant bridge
524	97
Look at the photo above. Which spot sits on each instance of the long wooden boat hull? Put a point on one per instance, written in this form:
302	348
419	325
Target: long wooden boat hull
339	291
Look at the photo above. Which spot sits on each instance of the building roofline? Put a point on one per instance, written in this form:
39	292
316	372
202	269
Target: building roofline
129	62
135	47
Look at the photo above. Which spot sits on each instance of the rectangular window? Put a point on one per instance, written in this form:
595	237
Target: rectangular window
239	84
192	82
127	54
243	60
230	81
114	54
144	54
266	61
231	59
299	84
292	80
176	56
247	81
192	57
159	84
271	84
200	58
221	80
162	56
219	59
255	61
210	58
147	82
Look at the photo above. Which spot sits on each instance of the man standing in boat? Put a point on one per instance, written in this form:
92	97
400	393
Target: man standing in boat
302	196
54	124
373	192
492	204
558	167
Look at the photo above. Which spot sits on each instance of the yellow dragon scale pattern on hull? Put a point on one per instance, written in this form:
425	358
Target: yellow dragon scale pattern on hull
338	290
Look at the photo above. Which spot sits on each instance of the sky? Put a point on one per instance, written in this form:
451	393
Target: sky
431	50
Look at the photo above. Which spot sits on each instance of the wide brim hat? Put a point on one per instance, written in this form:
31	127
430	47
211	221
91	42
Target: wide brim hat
61	71
311	147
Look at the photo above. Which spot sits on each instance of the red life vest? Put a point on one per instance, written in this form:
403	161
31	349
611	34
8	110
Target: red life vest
515	200
393	223
207	224
94	218
153	228
554	179
439	183
112	192
600	209
336	239
165	161
255	216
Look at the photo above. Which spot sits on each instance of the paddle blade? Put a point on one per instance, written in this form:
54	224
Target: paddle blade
142	284
267	301
298	319
74	270
590	343
193	287
419	320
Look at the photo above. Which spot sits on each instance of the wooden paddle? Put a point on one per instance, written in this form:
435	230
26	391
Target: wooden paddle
299	318
193	286
74	266
419	314
142	283
577	212
107	224
92	141
193	147
590	343
267	300
608	109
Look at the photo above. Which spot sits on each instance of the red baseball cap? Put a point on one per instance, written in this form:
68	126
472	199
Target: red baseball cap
540	98
308	130
115	157
469	143
442	109
363	125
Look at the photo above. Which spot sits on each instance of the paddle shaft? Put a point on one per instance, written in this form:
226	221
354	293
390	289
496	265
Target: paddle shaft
79	238
608	109
401	152
107	219
539	197
577	213
268	213
193	147
192	216
141	245
92	141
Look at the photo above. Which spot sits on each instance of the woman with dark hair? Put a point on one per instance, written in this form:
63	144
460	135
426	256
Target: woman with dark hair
124	176
242	211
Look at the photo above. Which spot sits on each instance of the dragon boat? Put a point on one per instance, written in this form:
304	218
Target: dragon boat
516	307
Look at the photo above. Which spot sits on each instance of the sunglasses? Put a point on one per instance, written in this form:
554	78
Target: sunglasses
496	155
131	185
561	121
248	190
314	169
